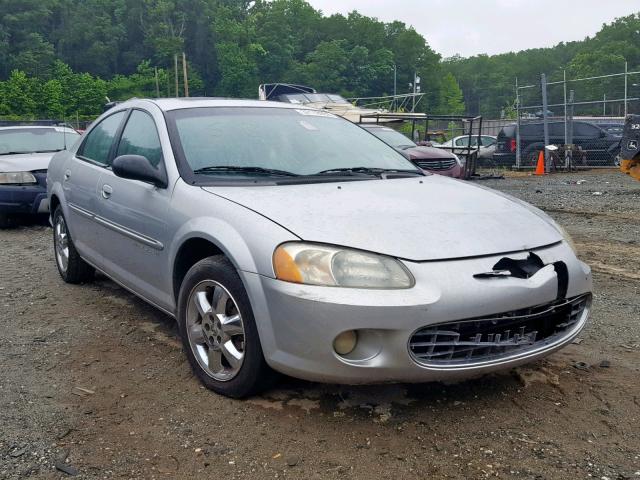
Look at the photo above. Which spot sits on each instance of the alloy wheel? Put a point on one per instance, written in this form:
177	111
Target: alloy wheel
215	330
61	243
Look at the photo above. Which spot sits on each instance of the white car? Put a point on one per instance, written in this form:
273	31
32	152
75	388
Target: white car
487	145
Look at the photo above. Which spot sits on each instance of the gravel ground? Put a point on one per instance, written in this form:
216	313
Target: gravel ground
94	382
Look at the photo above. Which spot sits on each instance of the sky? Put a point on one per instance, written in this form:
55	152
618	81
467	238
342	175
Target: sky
470	27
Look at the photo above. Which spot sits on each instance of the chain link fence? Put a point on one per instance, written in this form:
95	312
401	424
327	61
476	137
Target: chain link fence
580	118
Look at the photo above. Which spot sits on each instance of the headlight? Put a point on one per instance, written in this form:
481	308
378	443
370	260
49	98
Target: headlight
17	178
460	162
313	264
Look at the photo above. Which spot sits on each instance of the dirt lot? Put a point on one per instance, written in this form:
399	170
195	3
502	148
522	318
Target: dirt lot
94	380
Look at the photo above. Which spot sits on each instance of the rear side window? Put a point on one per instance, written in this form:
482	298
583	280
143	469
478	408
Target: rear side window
140	137
98	143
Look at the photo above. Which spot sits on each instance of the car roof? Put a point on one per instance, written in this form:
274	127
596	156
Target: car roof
167	104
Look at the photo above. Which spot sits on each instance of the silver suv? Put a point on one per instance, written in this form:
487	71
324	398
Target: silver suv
284	238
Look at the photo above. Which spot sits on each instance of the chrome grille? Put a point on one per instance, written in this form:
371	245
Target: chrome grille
465	342
440	164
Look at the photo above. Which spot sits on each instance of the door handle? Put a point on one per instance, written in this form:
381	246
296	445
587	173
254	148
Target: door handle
106	191
67	175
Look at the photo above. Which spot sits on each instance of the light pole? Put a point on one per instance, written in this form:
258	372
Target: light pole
395	89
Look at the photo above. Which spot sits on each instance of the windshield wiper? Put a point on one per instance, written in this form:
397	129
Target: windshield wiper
49	151
234	169
366	171
14	153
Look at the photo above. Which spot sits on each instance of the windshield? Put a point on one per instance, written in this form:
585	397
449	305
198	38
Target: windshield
392	137
301	142
31	140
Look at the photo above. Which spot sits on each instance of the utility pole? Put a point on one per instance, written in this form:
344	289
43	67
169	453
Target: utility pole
564	86
395	89
545	108
175	70
517	125
184	74
416	89
626	76
604	105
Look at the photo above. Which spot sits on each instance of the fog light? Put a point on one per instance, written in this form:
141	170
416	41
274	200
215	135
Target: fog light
345	342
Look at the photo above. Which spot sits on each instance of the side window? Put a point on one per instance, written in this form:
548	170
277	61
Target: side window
585	130
488	141
556	129
140	137
98	143
532	130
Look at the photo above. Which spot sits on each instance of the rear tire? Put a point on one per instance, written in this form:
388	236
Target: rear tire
218	330
72	268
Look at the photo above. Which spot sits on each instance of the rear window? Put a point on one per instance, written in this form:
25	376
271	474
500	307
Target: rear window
508	131
33	140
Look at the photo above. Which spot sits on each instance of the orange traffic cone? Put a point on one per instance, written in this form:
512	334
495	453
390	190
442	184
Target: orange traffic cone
540	166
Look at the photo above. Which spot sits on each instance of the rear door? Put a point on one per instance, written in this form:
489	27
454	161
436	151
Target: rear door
80	183
136	236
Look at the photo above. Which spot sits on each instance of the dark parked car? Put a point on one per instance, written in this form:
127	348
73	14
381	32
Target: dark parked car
430	159
25	152
600	147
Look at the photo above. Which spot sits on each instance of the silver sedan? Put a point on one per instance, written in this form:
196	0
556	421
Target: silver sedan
286	239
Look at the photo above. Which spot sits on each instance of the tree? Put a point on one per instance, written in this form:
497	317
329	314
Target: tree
18	94
451	100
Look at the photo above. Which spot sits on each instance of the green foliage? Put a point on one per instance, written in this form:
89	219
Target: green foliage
451	101
63	57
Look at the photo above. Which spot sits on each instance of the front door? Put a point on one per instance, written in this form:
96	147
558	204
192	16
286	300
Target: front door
136	239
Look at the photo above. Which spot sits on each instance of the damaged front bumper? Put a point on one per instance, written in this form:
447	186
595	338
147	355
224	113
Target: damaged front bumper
299	323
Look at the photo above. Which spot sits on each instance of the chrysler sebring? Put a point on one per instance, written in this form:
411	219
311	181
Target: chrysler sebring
286	239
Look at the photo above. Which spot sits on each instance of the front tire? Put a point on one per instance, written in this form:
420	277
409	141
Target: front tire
72	268
218	330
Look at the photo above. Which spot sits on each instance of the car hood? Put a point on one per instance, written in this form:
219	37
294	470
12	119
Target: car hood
423	218
25	162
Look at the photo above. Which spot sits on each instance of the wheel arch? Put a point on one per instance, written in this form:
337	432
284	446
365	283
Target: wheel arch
190	252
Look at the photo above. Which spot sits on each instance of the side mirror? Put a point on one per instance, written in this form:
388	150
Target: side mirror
137	167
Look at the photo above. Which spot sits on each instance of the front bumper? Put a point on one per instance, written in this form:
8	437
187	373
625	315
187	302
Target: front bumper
298	323
25	199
